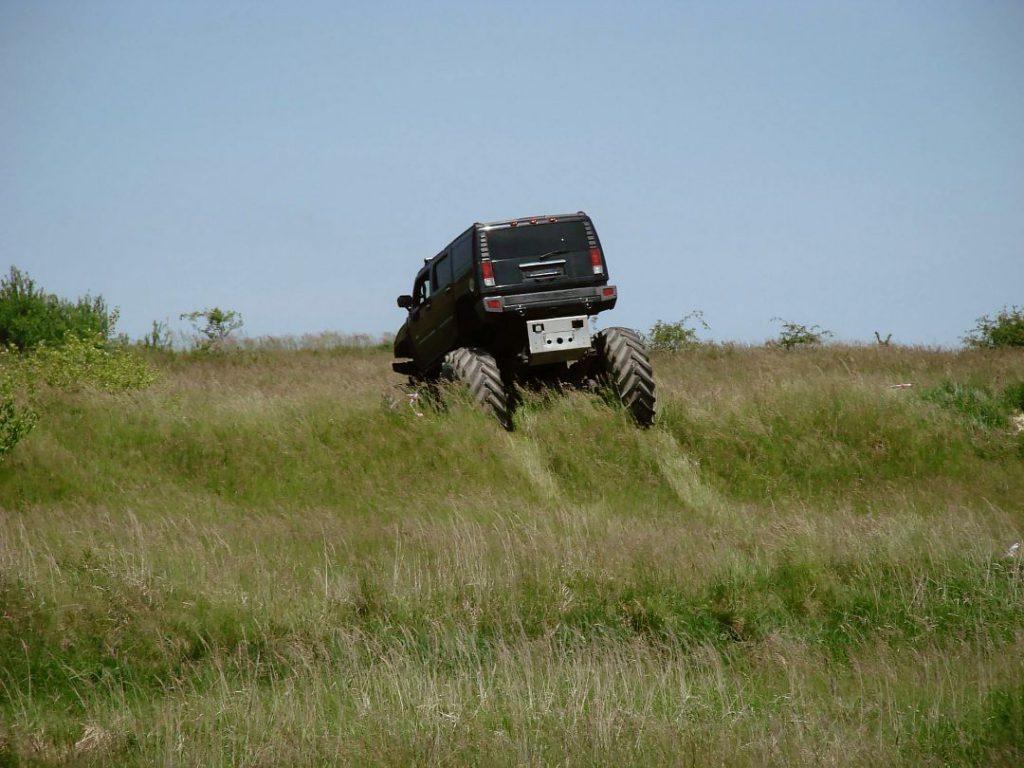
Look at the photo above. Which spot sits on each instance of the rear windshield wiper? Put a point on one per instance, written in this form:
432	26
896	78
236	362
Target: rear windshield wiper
557	252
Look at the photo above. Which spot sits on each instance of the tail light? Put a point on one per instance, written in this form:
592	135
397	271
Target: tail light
608	291
595	261
488	273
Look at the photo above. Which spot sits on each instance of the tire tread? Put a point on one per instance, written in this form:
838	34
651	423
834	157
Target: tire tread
628	370
479	371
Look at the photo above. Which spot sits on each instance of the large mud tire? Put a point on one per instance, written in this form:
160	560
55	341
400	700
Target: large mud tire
478	370
627	371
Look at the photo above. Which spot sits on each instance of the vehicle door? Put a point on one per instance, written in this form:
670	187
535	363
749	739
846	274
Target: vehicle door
442	308
420	329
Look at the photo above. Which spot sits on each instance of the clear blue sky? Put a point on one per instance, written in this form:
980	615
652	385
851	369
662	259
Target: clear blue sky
853	164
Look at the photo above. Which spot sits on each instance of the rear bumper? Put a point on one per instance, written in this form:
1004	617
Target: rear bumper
588	300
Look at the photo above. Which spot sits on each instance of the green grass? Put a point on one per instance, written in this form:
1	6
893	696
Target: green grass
269	557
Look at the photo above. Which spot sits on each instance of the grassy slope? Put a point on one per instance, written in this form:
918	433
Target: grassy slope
268	558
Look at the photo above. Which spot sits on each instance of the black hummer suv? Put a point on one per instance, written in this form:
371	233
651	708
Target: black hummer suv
512	301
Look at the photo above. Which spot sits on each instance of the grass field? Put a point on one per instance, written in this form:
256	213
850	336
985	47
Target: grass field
268	558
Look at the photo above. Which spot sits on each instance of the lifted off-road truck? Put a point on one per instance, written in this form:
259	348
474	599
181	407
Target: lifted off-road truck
512	302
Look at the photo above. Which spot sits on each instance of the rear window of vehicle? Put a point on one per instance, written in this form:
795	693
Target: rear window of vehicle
532	240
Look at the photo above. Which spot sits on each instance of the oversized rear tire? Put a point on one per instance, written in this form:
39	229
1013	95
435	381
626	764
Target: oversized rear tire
627	370
479	372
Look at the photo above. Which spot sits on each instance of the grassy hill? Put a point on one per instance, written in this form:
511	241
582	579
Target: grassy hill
271	558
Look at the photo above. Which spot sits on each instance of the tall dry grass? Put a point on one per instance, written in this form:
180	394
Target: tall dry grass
269	557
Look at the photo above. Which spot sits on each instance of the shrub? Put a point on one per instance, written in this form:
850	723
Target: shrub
15	423
1013	396
16	419
976	404
213	326
74	364
29	316
1006	329
797	335
89	363
671	337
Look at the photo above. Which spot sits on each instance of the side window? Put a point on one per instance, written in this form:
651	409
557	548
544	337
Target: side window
442	273
421	290
462	256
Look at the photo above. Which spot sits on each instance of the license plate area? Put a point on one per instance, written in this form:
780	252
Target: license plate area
543	270
558	338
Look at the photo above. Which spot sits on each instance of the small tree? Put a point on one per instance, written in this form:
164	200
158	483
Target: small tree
671	337
213	326
1006	329
797	335
159	337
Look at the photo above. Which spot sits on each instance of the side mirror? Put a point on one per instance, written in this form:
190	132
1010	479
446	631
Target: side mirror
405	301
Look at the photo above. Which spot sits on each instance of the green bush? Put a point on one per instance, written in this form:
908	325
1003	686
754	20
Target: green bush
29	316
1013	396
15	423
1006	329
671	337
16	419
798	335
977	404
75	364
81	363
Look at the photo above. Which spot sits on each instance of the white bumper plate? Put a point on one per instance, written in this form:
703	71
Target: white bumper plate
558	338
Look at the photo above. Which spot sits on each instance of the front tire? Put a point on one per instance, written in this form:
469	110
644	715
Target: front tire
627	370
478	370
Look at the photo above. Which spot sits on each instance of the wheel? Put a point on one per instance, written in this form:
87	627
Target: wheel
626	368
479	372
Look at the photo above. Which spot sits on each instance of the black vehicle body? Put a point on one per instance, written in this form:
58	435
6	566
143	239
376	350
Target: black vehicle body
481	290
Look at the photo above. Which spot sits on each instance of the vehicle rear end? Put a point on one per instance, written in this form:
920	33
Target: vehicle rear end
541	281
